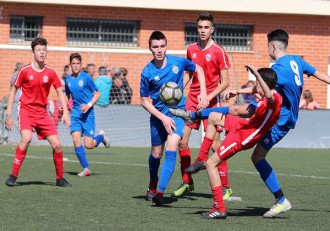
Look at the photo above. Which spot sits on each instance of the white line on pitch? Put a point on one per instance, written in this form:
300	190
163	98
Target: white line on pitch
145	165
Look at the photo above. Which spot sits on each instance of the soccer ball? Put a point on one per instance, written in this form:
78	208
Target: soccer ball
170	93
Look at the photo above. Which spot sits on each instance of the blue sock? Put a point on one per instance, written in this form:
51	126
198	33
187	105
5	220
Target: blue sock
98	139
204	114
81	154
167	170
268	175
153	167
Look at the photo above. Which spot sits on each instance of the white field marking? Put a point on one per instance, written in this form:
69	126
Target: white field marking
145	165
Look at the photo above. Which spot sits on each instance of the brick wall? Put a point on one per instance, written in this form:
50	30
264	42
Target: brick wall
309	37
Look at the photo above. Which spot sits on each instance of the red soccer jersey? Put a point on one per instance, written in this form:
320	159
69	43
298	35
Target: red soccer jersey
213	60
264	118
35	86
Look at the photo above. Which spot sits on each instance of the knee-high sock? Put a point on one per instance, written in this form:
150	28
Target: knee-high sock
204	114
98	139
153	168
18	161
268	175
223	172
205	148
81	154
185	161
59	166
218	199
167	170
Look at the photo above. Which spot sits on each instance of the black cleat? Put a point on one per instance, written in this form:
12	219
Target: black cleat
214	214
63	183
11	180
157	199
195	167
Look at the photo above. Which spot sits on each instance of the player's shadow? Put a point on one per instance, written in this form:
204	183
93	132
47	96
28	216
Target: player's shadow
20	183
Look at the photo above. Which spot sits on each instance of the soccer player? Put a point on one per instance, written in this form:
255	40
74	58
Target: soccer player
81	87
35	81
214	61
163	125
290	70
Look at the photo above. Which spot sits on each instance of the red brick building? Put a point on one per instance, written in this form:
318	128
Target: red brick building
247	22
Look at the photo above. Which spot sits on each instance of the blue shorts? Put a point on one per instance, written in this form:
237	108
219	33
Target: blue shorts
159	133
85	126
274	135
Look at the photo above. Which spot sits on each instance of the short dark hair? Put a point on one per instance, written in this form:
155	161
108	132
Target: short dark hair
124	71
157	35
203	15
66	67
269	76
279	35
75	56
38	41
102	70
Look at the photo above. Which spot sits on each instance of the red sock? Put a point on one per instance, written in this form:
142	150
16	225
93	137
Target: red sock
217	196
59	166
18	161
223	172
204	150
185	160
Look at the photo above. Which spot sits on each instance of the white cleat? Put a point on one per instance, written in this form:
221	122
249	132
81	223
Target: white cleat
106	140
278	207
86	172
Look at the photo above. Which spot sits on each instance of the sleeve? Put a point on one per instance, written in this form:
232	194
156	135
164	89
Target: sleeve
19	80
223	60
56	80
67	90
144	86
189	65
308	69
91	84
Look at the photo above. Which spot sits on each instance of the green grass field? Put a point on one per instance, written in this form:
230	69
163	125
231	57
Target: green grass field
113	197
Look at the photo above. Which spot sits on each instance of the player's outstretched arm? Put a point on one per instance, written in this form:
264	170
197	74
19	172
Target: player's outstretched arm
63	101
203	101
9	116
167	121
322	76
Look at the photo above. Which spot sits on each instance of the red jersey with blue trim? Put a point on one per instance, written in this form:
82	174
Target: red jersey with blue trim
264	118
212	59
35	86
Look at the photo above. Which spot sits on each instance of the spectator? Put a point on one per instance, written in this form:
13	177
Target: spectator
110	71
13	77
118	94
308	102
90	69
127	88
249	98
103	83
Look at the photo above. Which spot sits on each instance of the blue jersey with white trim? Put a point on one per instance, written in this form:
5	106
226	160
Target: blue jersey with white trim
82	90
152	79
290	70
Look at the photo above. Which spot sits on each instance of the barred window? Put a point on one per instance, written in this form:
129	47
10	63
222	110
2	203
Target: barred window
231	36
102	32
25	28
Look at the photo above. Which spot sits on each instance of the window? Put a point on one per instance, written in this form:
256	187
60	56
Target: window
24	28
231	37
102	32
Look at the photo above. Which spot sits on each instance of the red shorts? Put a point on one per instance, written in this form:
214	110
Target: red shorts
191	106
234	138
42	124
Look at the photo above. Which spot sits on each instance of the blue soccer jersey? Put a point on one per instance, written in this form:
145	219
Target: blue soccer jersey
290	70
82	89
152	79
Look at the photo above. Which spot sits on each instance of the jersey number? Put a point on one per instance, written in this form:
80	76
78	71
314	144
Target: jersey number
295	69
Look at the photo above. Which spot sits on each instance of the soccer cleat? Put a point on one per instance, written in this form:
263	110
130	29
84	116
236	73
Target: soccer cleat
11	180
157	199
214	214
185	115
226	193
278	207
63	183
86	172
183	189
106	140
195	167
151	191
